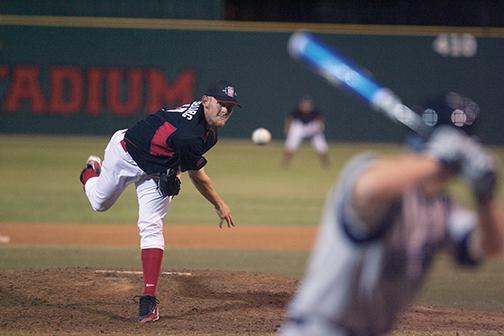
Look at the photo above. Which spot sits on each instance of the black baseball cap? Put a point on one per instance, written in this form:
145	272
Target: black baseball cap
223	91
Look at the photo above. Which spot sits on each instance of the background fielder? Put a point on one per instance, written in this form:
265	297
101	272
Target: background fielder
305	122
150	155
381	228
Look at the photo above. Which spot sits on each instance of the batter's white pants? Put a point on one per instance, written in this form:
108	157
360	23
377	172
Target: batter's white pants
298	131
311	328
118	171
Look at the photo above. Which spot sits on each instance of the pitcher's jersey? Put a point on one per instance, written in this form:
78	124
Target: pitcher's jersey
357	281
175	138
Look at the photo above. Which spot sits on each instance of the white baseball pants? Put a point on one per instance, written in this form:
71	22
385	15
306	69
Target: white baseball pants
117	172
298	132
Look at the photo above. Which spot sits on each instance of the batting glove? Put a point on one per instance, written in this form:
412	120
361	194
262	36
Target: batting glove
458	152
447	145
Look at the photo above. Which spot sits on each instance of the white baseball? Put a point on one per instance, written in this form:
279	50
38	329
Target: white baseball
261	136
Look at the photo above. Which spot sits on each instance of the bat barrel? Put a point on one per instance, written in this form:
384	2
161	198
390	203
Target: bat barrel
332	65
343	73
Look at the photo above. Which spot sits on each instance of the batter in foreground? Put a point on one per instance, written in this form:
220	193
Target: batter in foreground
383	225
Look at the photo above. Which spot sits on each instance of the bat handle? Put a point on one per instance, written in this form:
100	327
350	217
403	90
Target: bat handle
386	101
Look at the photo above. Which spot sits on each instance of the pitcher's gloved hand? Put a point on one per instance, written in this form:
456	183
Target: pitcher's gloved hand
169	183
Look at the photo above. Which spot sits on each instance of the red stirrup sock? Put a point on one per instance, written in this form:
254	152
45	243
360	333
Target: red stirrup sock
151	265
86	174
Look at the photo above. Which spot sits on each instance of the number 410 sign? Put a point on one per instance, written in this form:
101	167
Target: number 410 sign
455	45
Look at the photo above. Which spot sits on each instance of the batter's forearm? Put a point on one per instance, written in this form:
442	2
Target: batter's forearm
387	179
385	182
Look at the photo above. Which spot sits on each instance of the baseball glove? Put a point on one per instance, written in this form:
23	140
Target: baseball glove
169	183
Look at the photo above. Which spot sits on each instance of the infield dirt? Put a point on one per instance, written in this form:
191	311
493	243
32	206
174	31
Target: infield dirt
183	236
84	301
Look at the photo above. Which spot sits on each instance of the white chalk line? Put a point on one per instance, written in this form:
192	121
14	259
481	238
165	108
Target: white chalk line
141	273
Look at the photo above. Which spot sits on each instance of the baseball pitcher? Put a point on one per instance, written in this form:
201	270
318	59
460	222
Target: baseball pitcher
151	155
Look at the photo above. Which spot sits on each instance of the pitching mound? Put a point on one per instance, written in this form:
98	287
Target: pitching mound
92	302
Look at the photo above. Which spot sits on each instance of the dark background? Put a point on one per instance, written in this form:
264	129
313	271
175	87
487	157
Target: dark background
485	13
482	13
245	42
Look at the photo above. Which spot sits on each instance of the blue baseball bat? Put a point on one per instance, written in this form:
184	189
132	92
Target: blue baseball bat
343	73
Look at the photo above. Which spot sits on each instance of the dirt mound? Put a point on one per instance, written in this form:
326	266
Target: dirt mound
88	301
446	321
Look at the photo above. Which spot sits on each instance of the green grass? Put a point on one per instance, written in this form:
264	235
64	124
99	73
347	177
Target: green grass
451	286
40	183
278	262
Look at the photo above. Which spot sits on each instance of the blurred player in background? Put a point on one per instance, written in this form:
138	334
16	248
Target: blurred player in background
384	223
305	122
151	155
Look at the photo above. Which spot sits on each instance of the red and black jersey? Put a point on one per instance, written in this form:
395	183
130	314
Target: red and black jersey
175	139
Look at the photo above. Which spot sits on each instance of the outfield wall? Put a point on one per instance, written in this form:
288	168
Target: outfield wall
93	75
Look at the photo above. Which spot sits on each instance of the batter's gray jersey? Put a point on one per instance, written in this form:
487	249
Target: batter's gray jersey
357	281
